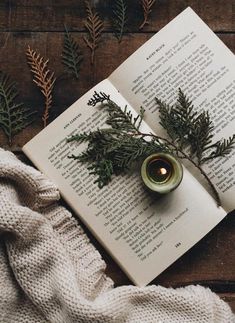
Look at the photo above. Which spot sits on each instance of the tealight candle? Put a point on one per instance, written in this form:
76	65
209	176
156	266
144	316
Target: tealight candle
161	173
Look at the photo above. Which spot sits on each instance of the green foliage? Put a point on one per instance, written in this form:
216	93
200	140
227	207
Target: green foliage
189	129
71	54
114	150
13	116
221	148
119	18
98	98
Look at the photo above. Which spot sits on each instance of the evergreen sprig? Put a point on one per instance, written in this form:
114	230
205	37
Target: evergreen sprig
147	9
14	117
94	26
98	98
115	149
43	78
188	128
119	18
71	54
221	148
110	153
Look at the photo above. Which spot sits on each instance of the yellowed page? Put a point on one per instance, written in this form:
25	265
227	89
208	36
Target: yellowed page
143	234
186	54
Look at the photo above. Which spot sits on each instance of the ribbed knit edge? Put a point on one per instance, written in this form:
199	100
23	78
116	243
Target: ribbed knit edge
44	199
80	248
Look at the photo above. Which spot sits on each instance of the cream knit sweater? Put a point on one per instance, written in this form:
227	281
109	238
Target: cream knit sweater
50	272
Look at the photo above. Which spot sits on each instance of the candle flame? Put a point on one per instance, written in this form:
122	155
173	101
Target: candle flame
162	171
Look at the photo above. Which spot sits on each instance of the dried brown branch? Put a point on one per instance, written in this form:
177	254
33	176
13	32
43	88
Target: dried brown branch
43	78
95	26
147	9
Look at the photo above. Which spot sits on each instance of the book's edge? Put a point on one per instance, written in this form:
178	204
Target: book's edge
62	115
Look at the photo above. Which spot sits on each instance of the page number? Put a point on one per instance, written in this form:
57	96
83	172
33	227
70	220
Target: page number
178	244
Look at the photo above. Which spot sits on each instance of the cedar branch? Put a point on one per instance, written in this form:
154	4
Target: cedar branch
43	78
147	9
94	26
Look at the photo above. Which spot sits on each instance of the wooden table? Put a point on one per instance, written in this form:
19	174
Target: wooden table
41	25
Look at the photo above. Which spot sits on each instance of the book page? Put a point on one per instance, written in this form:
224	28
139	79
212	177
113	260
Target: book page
186	54
143	234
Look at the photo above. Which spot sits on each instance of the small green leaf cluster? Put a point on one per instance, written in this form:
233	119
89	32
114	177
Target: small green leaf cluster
189	129
71	54
119	19
14	117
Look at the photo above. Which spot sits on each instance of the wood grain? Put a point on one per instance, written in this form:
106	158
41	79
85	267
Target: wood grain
44	15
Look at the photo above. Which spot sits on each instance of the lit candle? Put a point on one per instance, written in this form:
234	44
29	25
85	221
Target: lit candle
161	173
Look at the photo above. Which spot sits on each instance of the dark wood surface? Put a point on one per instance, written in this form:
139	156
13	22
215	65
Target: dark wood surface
40	24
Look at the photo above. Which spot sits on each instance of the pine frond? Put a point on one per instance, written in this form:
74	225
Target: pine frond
167	119
119	20
104	171
94	26
14	117
201	134
110	153
80	138
147	9
133	150
71	54
43	78
122	120
98	98
178	120
185	118
221	148
189	129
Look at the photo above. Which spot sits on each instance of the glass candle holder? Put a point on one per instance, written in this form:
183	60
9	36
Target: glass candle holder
161	173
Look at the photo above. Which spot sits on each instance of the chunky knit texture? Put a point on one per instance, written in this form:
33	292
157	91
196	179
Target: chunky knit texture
50	272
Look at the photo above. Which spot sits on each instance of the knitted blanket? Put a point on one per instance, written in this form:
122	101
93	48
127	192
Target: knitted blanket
50	272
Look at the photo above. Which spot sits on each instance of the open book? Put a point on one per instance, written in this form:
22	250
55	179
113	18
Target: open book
143	234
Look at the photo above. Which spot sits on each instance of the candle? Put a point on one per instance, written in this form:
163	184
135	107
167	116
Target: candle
161	173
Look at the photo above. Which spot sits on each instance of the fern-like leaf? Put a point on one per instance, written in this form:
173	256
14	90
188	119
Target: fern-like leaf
14	117
94	26
43	78
147	9
104	171
201	134
178	119
122	120
71	54
119	18
98	98
167	119
221	148
189	129
110	153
